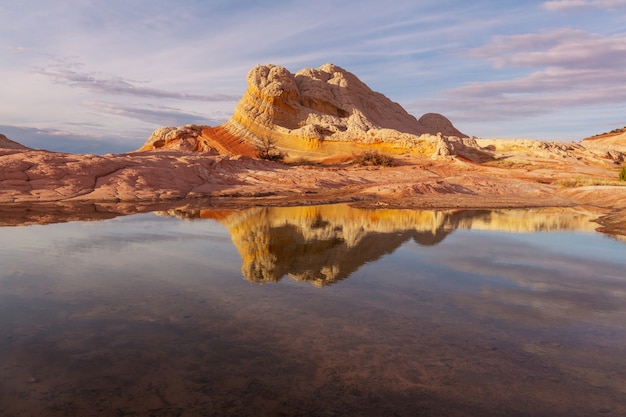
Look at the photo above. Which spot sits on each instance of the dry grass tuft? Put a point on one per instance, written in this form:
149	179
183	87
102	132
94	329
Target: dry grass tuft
301	161
587	182
374	158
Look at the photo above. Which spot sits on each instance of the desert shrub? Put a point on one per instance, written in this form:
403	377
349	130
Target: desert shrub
266	149
301	161
272	156
586	182
620	130
374	158
622	174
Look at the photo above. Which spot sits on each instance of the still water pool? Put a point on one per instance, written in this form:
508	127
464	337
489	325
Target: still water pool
314	311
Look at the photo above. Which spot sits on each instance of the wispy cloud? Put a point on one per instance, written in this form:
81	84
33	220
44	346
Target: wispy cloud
154	114
576	5
566	48
568	68
68	73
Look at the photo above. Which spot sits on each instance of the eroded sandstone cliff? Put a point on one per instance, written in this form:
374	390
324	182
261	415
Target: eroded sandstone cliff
327	110
327	103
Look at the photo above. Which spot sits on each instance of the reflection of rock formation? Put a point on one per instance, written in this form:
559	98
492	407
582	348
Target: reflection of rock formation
324	244
25	214
314	248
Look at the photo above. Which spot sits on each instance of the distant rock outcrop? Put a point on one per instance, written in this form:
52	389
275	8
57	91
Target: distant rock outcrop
6	143
611	142
308	109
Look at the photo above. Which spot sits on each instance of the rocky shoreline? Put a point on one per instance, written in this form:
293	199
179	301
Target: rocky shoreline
39	186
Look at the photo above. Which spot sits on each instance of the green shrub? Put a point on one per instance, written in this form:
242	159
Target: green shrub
374	158
622	174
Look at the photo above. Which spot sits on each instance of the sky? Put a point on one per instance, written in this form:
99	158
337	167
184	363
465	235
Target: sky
98	76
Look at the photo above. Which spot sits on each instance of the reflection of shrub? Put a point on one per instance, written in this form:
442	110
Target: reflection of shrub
374	158
622	175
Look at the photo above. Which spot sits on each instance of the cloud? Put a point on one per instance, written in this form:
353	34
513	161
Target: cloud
67	73
154	114
64	141
561	47
194	56
575	5
568	68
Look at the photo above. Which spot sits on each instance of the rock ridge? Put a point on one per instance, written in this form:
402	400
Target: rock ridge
6	143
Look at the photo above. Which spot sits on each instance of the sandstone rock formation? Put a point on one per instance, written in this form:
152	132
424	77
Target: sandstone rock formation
327	110
327	103
608	145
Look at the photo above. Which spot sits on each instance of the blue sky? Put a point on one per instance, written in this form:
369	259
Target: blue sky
100	76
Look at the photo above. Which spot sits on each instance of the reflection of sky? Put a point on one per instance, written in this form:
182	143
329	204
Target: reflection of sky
573	255
144	267
139	244
541	277
577	244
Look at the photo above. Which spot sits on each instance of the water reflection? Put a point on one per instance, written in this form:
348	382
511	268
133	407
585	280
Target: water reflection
26	214
148	315
325	244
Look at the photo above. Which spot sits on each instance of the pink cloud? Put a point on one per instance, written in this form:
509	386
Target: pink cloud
569	5
561	48
567	68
